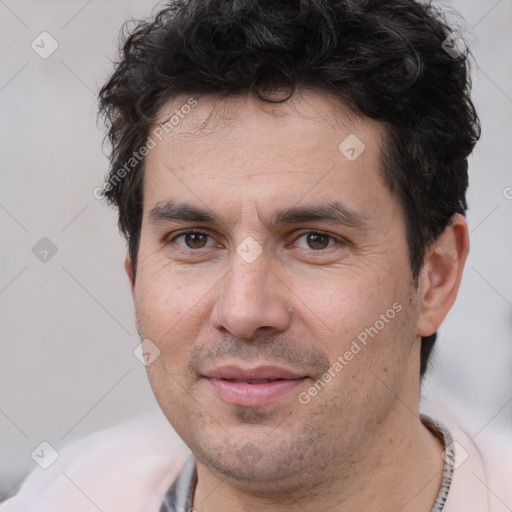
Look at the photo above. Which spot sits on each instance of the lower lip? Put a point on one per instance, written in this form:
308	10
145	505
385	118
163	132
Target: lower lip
253	395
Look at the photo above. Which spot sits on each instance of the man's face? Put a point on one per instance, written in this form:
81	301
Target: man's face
259	305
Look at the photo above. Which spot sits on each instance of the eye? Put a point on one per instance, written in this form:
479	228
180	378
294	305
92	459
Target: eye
317	240
192	239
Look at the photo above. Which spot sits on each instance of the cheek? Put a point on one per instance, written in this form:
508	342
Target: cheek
170	311
339	306
370	343
170	306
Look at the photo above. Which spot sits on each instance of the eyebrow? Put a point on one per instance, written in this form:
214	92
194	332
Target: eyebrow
333	213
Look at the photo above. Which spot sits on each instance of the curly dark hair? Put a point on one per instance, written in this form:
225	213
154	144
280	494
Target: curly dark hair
384	59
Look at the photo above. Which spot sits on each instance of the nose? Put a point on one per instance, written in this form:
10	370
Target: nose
252	300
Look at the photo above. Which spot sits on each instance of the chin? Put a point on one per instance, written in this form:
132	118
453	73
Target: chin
257	462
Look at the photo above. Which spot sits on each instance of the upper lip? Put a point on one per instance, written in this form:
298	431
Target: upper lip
234	372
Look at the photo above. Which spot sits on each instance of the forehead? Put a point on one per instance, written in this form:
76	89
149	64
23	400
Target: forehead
309	115
235	151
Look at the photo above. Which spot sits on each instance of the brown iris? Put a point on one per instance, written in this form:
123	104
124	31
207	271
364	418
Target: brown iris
195	240
317	240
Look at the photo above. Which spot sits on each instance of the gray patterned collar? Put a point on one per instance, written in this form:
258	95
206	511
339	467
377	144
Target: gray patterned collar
439	430
180	495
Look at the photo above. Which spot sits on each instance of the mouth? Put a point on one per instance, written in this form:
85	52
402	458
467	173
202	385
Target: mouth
253	387
255	381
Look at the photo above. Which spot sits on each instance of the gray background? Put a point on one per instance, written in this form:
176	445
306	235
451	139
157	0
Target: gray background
67	366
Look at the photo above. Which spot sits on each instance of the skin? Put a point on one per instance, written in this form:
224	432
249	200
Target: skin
357	443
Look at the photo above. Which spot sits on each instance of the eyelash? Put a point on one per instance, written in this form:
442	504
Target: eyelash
339	241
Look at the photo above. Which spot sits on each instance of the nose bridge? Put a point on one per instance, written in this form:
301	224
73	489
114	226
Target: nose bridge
250	297
247	278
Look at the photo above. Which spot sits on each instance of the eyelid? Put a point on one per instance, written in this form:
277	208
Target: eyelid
339	240
184	232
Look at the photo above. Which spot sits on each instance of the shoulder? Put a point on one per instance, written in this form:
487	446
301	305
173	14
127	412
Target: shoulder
483	465
495	447
126	468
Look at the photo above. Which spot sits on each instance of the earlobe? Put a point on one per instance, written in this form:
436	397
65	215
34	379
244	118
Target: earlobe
129	272
441	275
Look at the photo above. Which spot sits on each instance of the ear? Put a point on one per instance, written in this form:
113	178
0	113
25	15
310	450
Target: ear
441	275
128	268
